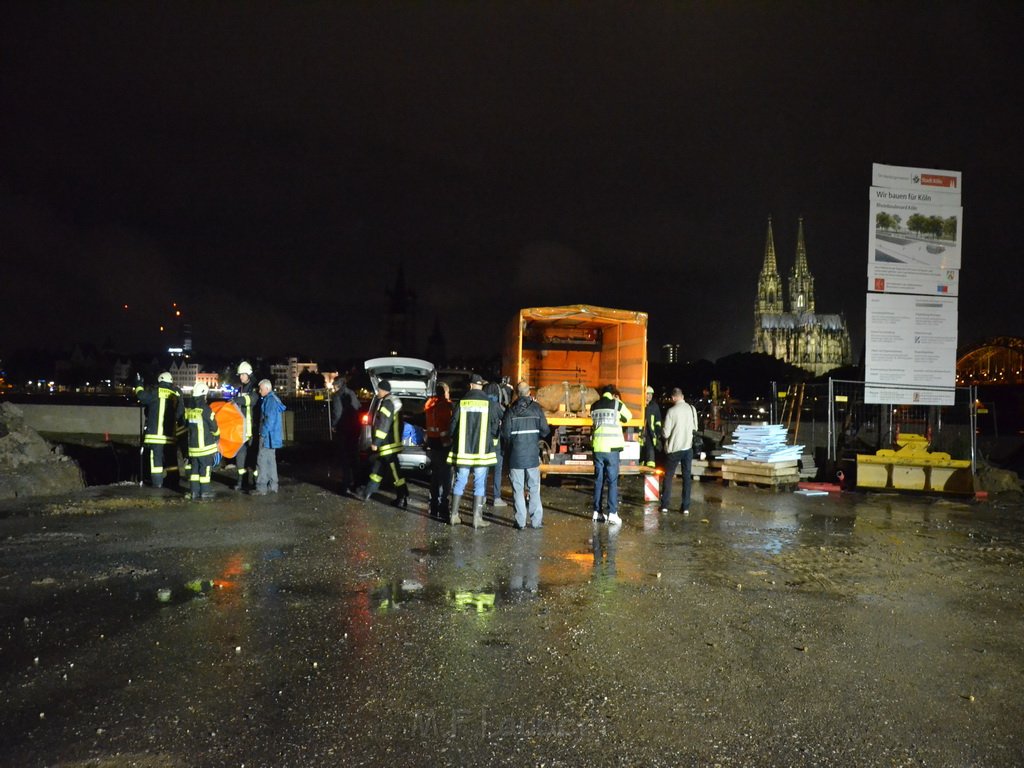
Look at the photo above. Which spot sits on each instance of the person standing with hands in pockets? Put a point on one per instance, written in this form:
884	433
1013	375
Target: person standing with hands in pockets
680	423
271	438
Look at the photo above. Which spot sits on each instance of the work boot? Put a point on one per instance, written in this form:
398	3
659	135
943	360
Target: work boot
478	512
402	499
454	518
371	488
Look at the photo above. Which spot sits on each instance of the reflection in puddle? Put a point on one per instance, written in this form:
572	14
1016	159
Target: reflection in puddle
394	595
481	602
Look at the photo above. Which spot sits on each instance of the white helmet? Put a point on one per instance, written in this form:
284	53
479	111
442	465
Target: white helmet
165	378
244	367
200	390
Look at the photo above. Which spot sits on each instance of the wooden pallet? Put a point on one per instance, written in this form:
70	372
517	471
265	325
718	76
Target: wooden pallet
760	468
782	475
706	469
781	483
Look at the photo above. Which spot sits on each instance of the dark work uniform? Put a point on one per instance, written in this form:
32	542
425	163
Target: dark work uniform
202	445
245	459
387	436
164	411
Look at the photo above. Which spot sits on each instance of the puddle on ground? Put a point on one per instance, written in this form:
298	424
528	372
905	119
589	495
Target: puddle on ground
395	595
436	548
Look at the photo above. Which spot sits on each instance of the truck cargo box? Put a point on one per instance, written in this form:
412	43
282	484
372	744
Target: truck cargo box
567	354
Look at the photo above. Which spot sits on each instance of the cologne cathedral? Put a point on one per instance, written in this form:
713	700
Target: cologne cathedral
797	333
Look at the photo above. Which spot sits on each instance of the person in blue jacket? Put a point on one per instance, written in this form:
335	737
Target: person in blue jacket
271	438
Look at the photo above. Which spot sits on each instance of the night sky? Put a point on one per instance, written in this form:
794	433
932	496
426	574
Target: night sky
268	166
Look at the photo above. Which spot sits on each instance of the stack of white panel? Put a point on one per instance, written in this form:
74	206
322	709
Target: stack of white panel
761	442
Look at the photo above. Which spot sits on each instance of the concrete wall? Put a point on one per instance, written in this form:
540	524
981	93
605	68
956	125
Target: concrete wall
82	419
101	420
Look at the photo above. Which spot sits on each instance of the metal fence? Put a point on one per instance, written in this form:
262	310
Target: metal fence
831	420
311	417
834	419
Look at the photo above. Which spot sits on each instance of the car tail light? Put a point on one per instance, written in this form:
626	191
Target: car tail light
364	419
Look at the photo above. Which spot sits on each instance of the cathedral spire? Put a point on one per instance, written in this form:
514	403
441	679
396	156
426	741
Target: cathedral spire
801	250
400	336
769	284
801	282
770	266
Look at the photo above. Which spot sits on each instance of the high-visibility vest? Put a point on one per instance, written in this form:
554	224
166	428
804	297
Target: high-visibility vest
607	416
474	427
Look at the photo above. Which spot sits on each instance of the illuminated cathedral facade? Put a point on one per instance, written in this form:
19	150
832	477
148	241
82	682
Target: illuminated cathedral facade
796	333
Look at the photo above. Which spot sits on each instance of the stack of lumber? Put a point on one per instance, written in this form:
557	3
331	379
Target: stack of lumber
710	469
758	454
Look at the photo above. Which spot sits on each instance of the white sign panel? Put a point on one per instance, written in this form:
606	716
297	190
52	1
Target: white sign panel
920	179
910	349
887	278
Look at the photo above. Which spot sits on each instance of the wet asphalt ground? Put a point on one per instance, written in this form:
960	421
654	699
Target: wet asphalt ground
307	629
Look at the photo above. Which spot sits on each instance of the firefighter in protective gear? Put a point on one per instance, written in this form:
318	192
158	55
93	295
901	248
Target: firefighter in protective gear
386	444
474	431
651	434
608	415
437	412
246	400
164	411
202	441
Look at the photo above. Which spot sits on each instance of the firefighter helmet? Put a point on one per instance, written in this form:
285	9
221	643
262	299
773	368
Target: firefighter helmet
244	367
165	378
200	390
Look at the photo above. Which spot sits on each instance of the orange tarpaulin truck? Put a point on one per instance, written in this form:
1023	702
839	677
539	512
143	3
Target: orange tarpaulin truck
567	354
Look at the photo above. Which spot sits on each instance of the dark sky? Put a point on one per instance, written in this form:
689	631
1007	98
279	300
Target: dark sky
268	166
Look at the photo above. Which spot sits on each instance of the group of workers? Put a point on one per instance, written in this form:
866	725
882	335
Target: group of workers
485	429
473	435
178	423
479	433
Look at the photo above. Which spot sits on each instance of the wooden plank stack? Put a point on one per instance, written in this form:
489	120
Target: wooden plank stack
759	455
706	469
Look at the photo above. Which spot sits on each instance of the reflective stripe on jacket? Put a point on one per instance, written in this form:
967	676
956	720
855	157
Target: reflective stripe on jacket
608	415
387	427
202	429
652	424
245	400
523	427
474	430
164	411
